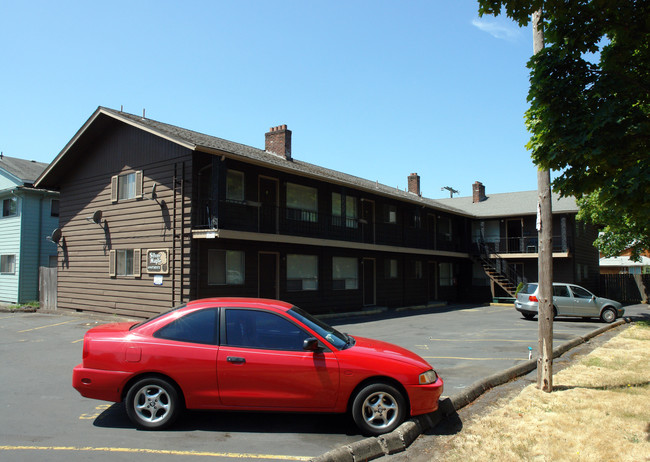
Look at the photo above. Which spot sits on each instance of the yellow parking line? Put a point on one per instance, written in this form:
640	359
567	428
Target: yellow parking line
231	455
475	359
77	341
43	327
479	340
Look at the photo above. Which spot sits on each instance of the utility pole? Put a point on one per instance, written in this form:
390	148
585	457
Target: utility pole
545	258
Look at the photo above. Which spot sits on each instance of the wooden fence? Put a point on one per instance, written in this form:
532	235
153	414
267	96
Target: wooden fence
47	287
625	288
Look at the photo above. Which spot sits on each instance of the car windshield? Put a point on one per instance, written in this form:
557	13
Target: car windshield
336	338
156	316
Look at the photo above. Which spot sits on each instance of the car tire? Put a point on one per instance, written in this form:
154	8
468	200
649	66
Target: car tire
528	315
153	403
378	408
608	315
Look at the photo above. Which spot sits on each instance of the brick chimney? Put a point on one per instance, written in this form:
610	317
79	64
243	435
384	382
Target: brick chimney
414	183
278	141
478	192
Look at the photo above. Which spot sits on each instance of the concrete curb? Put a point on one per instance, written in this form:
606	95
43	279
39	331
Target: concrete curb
402	437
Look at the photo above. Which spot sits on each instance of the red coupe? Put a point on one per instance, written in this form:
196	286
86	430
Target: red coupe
251	354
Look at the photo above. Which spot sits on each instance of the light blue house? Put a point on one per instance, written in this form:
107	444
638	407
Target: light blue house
28	216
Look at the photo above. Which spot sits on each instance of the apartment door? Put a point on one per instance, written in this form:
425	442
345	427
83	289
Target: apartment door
514	234
369	288
368	220
268	198
432	274
268	284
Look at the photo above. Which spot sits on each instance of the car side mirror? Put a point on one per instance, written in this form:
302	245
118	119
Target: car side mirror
311	344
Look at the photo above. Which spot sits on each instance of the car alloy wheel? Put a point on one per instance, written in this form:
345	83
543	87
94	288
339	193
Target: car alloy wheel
378	408
608	315
153	403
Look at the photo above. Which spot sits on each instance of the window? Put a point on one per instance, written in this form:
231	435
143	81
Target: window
225	267
579	292
418	272
561	291
345	273
54	208
391	269
262	330
8	264
302	272
124	262
10	207
126	186
235	186
390	214
347	208
416	220
302	203
446	271
197	327
444	228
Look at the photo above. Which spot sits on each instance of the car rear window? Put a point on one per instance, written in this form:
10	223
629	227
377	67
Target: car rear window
528	289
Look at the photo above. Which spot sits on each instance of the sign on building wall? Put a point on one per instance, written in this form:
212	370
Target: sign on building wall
158	261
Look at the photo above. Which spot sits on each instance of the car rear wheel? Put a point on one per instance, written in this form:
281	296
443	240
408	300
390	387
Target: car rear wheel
153	403
608	315
378	408
529	315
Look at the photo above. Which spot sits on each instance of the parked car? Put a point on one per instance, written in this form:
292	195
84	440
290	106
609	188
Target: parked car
255	355
569	300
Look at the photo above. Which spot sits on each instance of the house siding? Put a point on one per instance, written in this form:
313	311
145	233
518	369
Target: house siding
84	283
10	228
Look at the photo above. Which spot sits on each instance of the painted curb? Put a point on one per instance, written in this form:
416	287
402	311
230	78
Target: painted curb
402	437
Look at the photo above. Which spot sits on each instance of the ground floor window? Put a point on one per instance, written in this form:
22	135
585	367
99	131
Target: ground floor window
8	264
345	273
225	267
446	272
391	269
124	262
302	272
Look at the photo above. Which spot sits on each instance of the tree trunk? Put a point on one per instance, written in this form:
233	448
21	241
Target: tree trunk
545	259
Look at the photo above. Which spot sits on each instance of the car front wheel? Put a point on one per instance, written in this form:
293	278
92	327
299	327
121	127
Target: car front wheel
608	315
378	408
153	403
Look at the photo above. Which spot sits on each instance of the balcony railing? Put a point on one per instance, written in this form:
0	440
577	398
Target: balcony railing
522	245
263	218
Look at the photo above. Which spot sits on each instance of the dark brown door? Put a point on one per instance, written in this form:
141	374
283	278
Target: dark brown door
433	280
268	198
368	282
268	276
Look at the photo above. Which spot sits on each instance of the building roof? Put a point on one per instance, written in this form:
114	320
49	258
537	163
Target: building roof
624	262
509	204
25	170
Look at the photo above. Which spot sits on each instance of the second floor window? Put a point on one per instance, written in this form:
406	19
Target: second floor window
235	186
344	206
390	214
126	186
10	207
54	209
302	203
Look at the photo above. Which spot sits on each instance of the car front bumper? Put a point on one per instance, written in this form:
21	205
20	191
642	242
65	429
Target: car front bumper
424	398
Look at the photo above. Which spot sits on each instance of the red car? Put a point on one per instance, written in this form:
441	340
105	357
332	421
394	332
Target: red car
251	354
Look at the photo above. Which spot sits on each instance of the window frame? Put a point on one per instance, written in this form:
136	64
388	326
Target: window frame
137	186
235	174
226	341
9	260
8	212
302	279
300	211
349	283
136	259
54	213
226	282
390	214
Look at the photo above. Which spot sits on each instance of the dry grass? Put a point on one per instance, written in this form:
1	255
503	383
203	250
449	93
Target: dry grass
599	411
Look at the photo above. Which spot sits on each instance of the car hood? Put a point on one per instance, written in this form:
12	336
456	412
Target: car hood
606	301
368	347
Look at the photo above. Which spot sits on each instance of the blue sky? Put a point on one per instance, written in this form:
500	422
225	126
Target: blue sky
377	89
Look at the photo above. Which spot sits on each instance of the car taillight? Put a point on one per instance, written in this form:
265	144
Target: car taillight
532	298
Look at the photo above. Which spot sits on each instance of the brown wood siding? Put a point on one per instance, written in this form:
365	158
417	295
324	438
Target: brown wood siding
84	283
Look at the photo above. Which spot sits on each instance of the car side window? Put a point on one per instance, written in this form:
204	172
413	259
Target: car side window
579	292
196	327
561	291
262	330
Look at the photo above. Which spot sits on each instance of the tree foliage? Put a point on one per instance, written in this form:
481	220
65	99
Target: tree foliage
589	114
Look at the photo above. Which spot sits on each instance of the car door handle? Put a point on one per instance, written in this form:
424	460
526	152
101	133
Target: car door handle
236	360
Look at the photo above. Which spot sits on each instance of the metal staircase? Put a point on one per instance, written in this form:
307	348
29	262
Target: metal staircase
497	269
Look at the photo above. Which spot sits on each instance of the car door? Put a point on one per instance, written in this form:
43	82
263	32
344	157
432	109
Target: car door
261	364
584	301
562	300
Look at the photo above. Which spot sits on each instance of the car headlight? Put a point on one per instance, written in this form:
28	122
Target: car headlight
428	377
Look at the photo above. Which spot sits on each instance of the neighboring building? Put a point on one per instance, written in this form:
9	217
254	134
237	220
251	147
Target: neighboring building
153	215
623	265
28	215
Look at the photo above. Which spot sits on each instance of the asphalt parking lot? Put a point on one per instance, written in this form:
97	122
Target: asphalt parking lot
43	417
